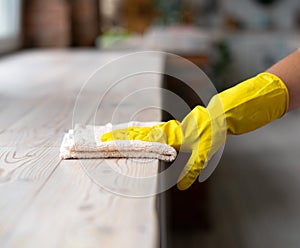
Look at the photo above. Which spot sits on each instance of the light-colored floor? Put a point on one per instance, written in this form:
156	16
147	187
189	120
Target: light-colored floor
255	191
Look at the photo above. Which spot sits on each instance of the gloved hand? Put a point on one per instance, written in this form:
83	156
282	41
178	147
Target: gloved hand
240	109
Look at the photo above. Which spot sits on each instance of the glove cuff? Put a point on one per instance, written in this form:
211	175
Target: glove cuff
272	78
254	103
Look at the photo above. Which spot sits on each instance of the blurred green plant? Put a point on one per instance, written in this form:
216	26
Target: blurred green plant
221	65
113	36
168	12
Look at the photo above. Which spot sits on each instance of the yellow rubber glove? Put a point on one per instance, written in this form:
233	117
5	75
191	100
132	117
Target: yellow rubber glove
240	109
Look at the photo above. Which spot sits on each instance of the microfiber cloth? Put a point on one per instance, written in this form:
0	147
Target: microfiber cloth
84	141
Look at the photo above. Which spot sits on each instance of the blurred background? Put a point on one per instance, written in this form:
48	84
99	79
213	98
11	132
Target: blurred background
230	32
252	199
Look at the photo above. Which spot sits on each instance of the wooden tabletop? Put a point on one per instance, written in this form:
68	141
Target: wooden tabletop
49	202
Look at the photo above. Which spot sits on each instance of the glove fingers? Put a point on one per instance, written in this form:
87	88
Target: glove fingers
117	134
135	133
120	134
190	172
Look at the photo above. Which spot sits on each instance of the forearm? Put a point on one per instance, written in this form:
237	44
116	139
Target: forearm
288	70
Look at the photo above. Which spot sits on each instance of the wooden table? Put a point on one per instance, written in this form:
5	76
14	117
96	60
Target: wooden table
49	202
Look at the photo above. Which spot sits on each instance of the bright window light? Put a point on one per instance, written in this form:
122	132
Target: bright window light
9	18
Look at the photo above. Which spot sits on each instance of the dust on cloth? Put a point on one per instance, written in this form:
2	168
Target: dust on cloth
84	141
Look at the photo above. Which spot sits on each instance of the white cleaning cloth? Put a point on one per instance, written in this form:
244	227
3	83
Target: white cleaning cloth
85	142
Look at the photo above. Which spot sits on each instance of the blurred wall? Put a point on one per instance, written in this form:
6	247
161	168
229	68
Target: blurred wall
46	23
260	35
60	23
85	22
136	15
132	15
281	14
249	14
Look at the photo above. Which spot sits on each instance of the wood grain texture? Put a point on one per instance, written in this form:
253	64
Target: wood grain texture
46	202
72	211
